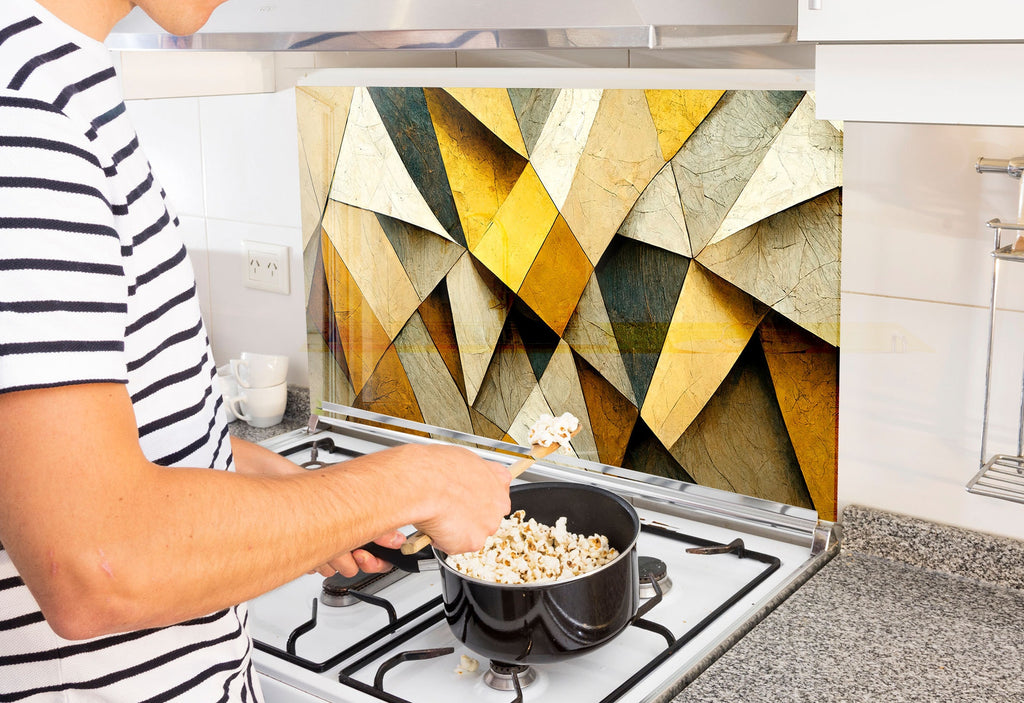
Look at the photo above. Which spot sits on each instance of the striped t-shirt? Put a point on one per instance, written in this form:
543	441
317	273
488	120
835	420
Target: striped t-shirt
95	286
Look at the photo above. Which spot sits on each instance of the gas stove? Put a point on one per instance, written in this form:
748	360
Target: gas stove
713	564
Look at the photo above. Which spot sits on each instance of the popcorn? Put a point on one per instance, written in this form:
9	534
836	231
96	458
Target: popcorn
548	430
467	665
525	551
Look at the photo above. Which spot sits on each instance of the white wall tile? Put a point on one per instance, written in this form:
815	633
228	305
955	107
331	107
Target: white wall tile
167	74
914	210
250	158
244	319
910	417
168	131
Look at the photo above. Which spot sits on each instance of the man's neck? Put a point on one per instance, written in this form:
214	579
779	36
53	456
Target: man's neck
94	18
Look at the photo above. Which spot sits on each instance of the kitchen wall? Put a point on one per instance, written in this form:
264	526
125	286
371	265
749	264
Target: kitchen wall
916	280
230	166
915	283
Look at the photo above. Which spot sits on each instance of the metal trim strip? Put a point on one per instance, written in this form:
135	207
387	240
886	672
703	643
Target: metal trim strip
644	36
443	432
627	37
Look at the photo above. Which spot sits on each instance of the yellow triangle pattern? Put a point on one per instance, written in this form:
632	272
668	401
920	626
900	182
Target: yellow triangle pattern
493	107
481	170
510	244
677	113
711	325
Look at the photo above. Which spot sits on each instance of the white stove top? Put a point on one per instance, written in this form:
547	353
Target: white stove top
640	664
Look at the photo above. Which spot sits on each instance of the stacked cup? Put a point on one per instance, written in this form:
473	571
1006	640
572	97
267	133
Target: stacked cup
262	390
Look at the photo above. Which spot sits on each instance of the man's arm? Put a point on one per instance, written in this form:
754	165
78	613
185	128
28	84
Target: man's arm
250	458
107	541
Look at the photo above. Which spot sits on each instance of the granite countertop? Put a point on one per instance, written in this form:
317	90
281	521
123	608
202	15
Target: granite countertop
296	415
907	611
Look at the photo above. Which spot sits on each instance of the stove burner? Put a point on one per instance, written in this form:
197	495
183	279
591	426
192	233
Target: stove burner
651	567
340	591
501	676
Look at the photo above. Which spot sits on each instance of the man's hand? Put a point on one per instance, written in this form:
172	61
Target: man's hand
351	563
468	496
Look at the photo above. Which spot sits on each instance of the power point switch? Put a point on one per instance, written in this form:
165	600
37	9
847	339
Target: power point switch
265	267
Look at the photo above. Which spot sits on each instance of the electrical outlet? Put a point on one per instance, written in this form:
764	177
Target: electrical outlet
265	267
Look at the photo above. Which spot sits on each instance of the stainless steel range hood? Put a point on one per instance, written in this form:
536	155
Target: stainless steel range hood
474	25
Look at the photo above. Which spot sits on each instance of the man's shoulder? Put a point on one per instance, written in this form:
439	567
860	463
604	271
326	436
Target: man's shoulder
26	114
43	69
28	125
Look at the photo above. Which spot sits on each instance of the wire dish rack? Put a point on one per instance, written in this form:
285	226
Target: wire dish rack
1001	475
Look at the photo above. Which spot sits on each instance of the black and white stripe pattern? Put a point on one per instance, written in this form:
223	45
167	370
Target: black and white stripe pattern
96	286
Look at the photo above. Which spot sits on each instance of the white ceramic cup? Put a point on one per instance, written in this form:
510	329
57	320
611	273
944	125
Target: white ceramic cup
253	370
260	407
228	388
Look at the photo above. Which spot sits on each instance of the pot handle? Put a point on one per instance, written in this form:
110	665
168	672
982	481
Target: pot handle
423	560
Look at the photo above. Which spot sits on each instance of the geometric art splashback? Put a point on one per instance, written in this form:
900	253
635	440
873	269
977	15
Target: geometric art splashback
662	264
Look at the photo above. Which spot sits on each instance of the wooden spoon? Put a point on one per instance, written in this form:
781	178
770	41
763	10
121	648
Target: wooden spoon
418	540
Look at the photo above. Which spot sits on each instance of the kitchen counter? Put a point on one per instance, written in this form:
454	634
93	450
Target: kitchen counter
907	611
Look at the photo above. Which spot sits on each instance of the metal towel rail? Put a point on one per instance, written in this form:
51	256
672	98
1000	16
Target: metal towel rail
1001	475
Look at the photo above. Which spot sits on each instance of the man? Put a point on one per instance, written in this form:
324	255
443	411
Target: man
124	555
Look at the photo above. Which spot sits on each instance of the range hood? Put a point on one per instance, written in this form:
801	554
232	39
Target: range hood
474	25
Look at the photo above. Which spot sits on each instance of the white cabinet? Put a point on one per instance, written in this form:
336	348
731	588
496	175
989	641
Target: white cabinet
910	20
921	61
976	84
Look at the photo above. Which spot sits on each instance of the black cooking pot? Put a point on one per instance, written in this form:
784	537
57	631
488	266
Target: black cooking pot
543	622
